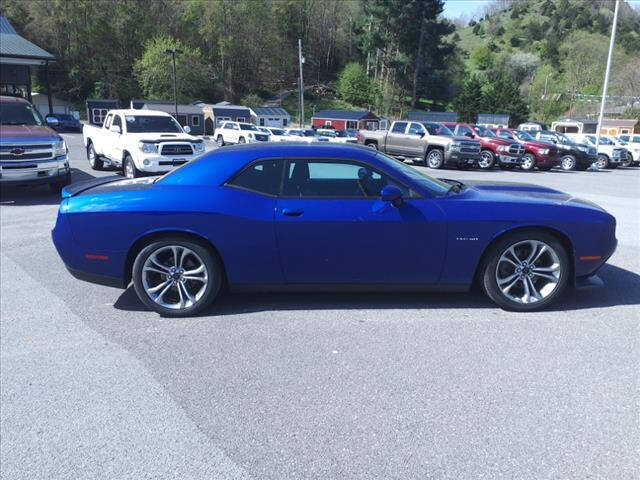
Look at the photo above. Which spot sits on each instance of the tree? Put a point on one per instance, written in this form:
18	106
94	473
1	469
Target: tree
482	57
470	101
503	96
154	70
354	86
251	100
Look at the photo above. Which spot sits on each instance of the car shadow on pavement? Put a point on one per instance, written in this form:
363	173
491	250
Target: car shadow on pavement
622	287
25	195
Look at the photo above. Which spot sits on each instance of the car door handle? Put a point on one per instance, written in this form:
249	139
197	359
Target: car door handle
292	212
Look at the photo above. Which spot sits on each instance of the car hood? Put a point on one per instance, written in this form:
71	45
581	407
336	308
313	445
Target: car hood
9	133
162	137
498	141
538	144
526	192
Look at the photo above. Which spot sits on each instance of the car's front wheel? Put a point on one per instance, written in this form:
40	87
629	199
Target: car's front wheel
487	160
220	141
528	162
526	271
94	160
603	161
435	158
176	277
568	163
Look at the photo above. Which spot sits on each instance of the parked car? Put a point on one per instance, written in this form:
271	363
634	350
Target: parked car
238	132
633	148
31	152
328	133
428	142
305	135
277	134
506	153
346	136
282	216
532	126
573	156
633	151
66	122
609	155
140	142
541	155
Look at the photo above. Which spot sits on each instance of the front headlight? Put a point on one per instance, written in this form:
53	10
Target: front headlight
455	147
543	151
60	148
583	148
198	147
148	147
502	148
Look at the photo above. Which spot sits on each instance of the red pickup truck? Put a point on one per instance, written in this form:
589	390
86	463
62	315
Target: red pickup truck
543	155
506	153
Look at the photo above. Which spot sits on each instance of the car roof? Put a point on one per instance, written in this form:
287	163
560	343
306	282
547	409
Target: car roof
10	99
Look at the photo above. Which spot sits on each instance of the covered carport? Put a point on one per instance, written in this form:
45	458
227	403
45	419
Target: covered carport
17	57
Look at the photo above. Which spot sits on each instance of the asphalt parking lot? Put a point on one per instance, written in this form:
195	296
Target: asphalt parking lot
317	386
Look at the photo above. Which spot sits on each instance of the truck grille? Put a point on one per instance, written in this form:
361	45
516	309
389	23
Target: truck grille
620	153
469	147
516	149
43	151
176	149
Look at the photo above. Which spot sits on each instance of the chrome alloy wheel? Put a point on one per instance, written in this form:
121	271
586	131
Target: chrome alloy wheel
568	162
486	160
174	277
528	271
435	159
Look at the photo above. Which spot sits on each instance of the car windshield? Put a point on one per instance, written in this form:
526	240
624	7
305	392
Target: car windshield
622	142
248	126
277	132
328	133
296	133
18	113
437	187
309	133
524	136
606	141
563	139
63	116
351	132
151	123
484	132
435	128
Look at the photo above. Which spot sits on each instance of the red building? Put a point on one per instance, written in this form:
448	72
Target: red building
342	119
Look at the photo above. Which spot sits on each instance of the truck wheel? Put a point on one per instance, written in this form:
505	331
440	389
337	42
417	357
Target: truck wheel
94	160
220	141
568	163
435	158
373	145
242	140
129	168
487	160
628	162
60	184
603	161
528	162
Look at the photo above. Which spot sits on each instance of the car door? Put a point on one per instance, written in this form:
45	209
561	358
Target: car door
116	141
396	139
415	139
333	228
105	145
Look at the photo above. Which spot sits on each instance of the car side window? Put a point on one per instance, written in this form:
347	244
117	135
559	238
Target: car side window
464	131
117	121
262	177
399	127
416	129
334	179
504	134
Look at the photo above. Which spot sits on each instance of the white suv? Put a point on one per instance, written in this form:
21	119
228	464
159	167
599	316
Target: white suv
609	154
632	145
238	132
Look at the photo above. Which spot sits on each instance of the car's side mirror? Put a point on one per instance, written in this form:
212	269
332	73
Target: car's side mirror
116	129
468	134
187	129
52	121
392	194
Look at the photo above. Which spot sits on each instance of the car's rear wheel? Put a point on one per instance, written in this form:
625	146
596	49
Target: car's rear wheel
603	161
628	162
373	145
176	277
129	168
528	162
487	160
568	163
525	271
94	160
220	141
435	158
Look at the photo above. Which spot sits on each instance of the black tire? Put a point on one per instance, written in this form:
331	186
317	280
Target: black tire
603	161
373	145
487	160
213	267
220	141
528	162
242	140
434	158
568	163
129	169
59	185
94	159
489	270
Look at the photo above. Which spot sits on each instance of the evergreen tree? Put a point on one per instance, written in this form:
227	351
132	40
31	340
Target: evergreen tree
470	101
503	96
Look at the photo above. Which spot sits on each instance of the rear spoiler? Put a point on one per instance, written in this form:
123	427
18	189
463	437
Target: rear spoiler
78	187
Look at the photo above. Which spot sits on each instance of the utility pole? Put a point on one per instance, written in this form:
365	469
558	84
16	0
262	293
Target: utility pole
173	53
300	62
606	75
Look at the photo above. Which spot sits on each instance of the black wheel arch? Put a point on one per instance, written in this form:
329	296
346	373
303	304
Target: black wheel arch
148	238
561	237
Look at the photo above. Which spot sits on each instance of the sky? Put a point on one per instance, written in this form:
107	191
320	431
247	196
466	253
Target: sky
455	8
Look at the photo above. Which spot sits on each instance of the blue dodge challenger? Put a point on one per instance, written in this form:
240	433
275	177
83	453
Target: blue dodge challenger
291	217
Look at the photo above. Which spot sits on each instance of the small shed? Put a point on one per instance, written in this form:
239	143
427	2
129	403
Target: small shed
270	116
493	120
41	102
424	116
575	125
342	119
188	115
97	109
215	114
619	126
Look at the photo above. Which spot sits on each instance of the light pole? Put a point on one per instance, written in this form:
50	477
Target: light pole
173	52
301	61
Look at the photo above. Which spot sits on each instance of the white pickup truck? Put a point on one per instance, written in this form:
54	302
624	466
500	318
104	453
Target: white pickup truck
139	142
